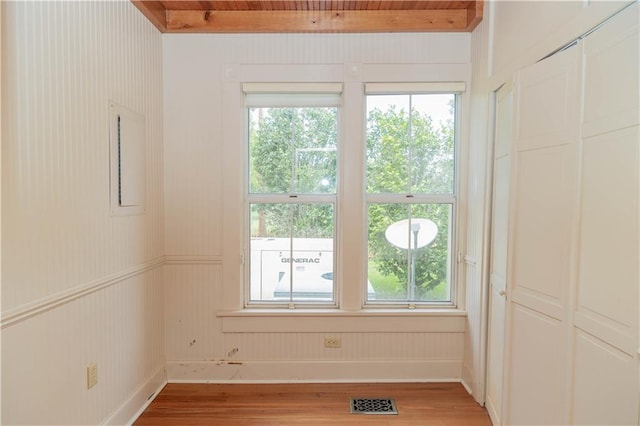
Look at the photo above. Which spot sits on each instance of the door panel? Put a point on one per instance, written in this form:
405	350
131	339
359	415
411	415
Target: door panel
542	213
608	265
609	397
537	369
606	324
572	317
546	95
542	223
498	264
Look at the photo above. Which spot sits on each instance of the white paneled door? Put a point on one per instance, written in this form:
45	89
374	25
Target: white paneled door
541	212
605	375
572	316
498	263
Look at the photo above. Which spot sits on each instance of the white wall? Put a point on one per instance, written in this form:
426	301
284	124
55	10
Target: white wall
514	35
477	231
203	139
78	284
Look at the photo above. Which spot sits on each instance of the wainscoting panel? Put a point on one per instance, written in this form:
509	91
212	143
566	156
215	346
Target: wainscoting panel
44	357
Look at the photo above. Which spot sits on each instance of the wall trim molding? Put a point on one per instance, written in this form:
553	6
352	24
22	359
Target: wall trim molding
178	259
133	407
26	311
314	371
16	315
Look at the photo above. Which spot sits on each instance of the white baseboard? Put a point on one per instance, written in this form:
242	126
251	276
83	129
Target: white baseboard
314	371
471	384
467	378
466	386
140	400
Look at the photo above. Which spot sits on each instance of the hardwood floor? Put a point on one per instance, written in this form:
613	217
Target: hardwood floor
311	404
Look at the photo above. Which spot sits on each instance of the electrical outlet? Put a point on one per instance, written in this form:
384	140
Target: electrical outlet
332	342
92	375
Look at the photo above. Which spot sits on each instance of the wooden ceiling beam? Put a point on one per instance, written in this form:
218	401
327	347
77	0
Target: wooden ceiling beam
154	11
474	14
321	21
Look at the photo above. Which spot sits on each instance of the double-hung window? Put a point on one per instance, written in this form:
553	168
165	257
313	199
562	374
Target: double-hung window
398	232
410	193
292	133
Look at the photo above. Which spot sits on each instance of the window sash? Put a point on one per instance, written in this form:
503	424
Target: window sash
450	273
292	198
289	247
286	95
411	198
404	198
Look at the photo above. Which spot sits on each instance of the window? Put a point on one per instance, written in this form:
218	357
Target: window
383	236
291	198
410	196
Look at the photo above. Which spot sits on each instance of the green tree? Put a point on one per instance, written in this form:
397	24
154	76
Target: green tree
293	150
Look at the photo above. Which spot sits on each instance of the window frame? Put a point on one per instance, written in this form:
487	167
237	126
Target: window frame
353	76
285	95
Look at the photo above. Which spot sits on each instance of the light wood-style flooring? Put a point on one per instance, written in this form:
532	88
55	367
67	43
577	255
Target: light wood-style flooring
311	404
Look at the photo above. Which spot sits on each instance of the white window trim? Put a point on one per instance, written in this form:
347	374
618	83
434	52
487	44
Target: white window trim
353	77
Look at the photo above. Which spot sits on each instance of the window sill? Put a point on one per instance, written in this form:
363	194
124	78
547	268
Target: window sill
337	321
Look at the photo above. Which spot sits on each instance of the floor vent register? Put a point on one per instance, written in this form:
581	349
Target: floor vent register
373	406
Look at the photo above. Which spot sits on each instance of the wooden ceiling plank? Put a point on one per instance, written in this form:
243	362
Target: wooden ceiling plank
311	4
220	5
180	5
254	5
206	5
373	5
154	12
183	21
387	4
239	5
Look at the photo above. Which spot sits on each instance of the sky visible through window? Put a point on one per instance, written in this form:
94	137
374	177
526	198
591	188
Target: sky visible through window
434	105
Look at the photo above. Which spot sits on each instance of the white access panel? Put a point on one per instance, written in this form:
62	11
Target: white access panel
128	163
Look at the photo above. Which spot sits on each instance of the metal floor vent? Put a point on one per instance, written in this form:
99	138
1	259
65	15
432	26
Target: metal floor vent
373	406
